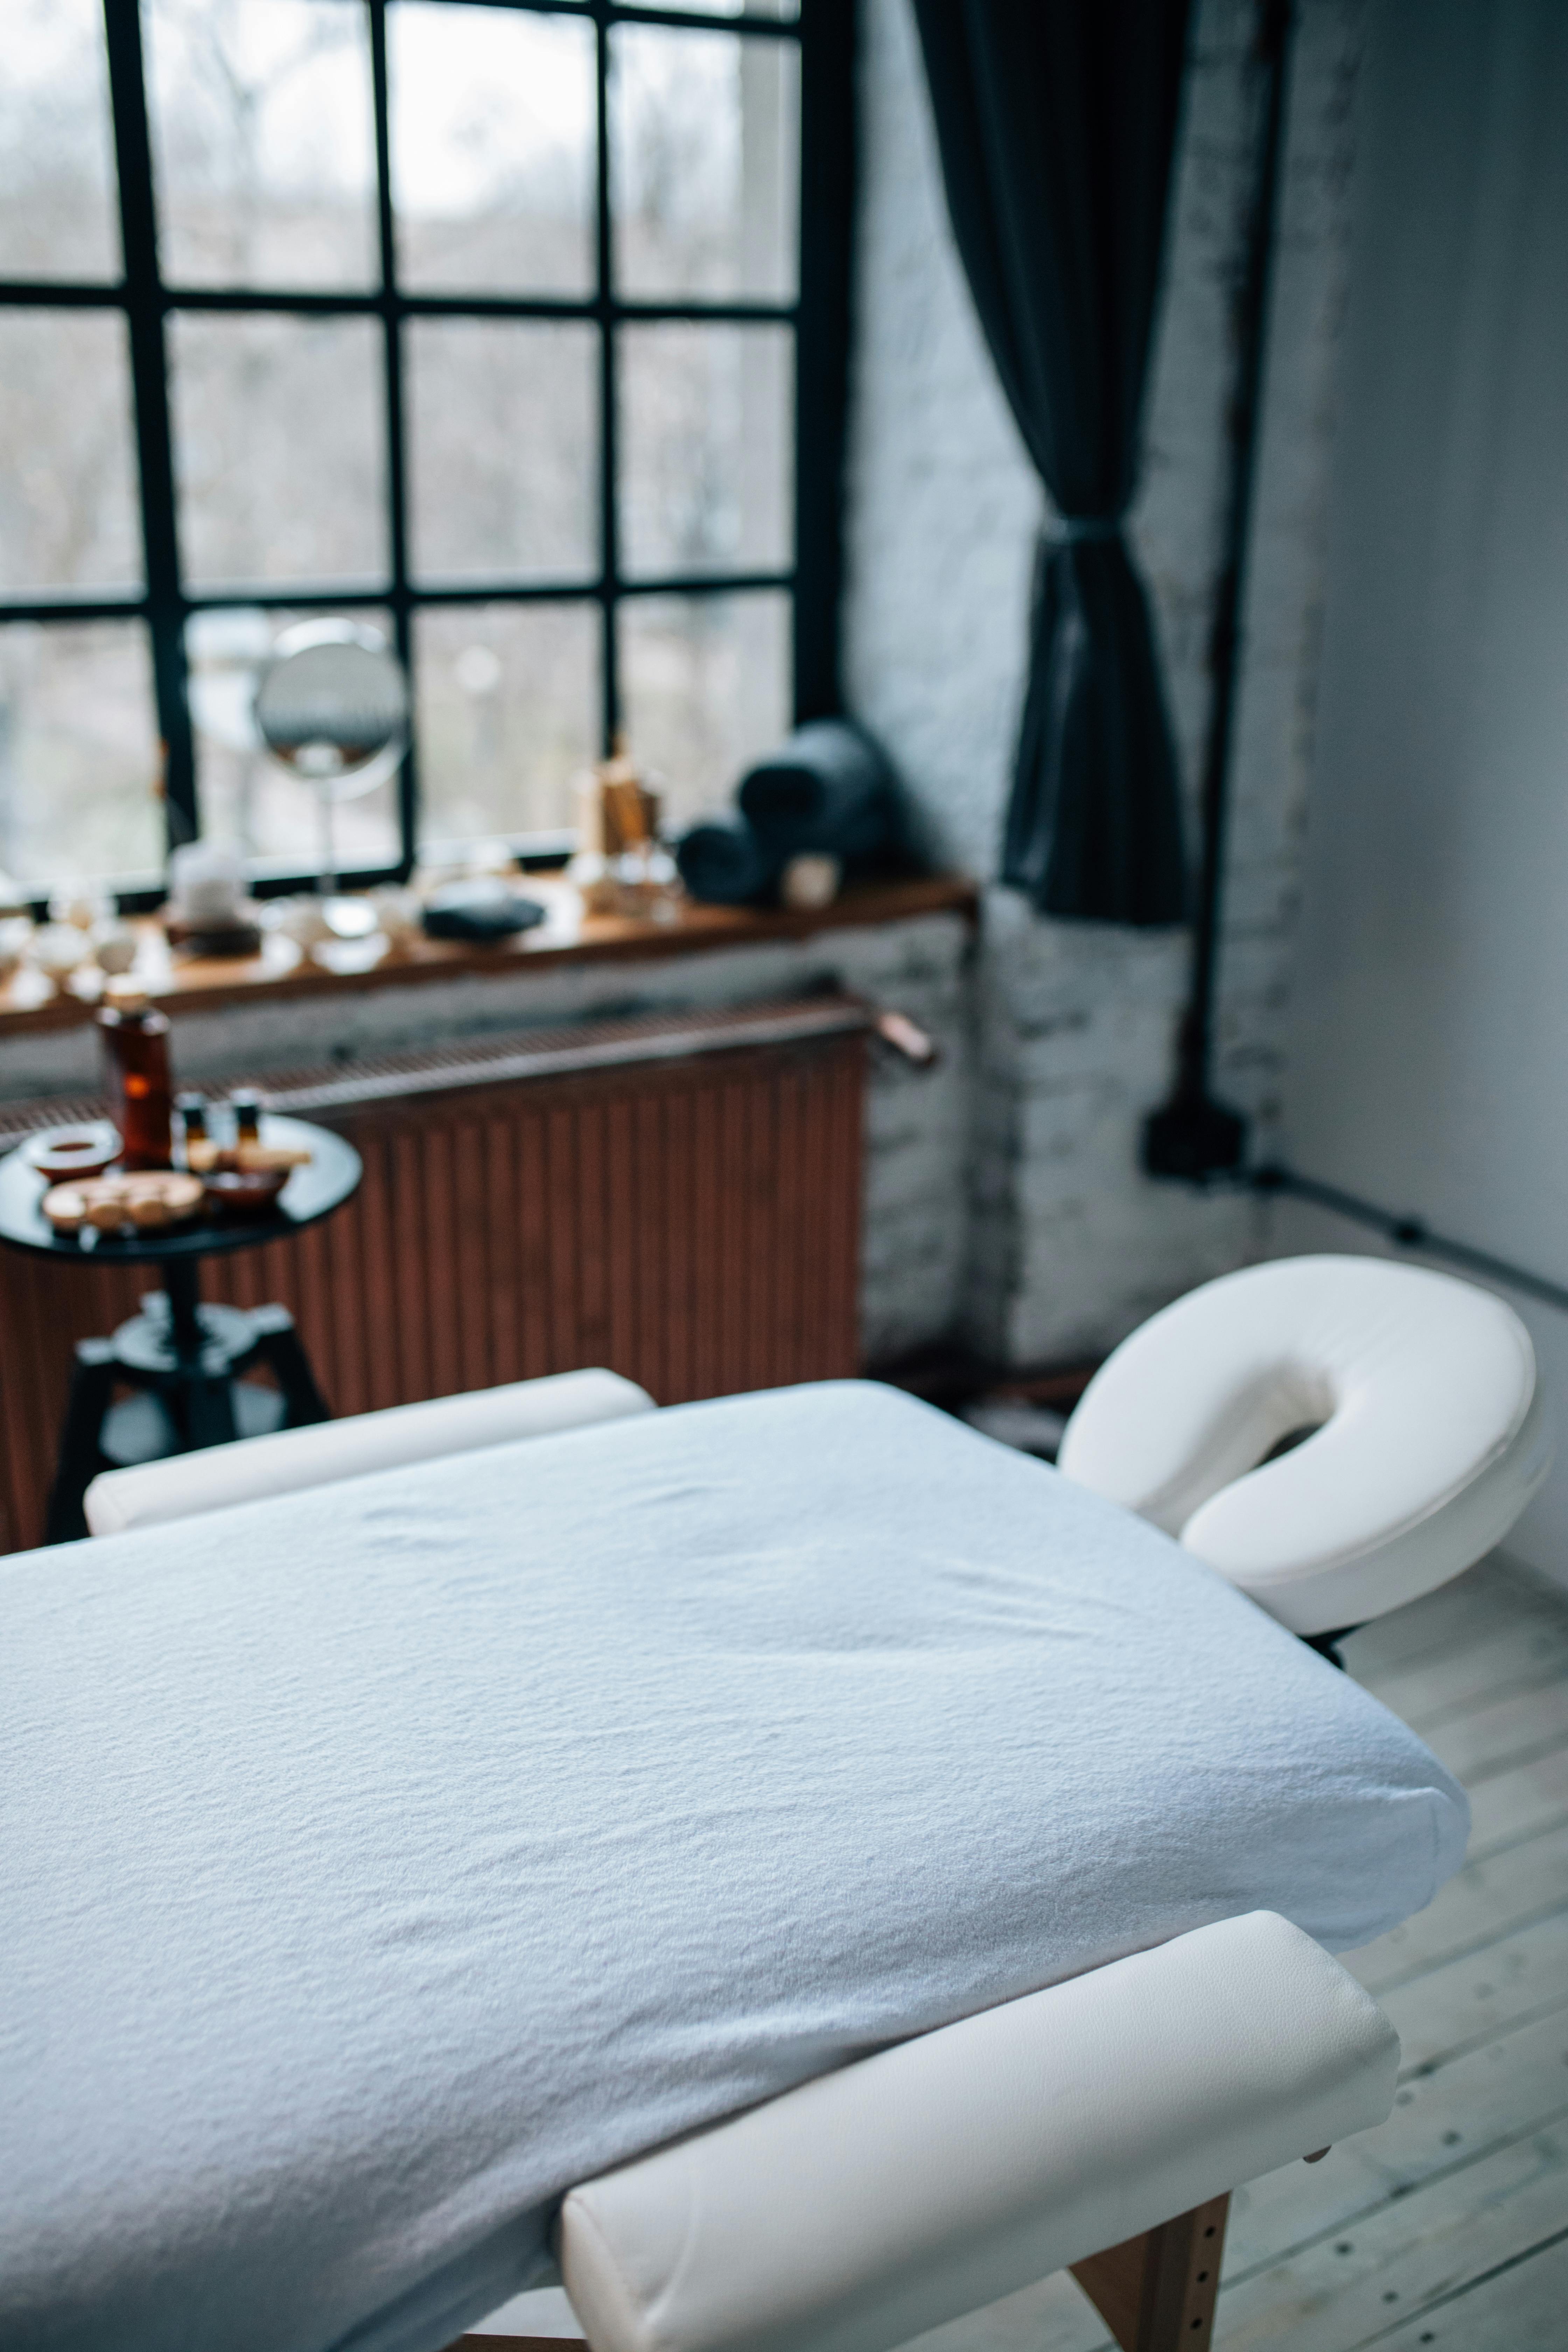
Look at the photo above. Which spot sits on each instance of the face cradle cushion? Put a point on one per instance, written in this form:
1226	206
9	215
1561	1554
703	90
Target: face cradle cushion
1428	1432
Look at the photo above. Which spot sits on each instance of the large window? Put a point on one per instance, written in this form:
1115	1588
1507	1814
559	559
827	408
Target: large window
488	321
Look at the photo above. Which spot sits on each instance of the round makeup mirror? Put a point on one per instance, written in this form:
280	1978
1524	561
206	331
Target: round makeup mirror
331	707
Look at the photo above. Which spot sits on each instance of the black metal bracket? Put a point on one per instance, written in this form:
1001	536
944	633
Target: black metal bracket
1193	1136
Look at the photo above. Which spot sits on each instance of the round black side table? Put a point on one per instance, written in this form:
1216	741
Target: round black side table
184	1355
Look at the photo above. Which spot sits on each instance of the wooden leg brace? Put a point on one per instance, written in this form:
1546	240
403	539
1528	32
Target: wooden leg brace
1158	2291
1155	2293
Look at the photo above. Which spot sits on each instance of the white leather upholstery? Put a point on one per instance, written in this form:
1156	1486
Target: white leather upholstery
1431	1433
151	1492
874	2203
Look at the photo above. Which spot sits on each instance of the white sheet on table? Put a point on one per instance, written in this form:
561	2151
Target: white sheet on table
380	1861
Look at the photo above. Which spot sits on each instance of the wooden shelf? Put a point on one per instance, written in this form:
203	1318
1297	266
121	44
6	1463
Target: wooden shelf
182	984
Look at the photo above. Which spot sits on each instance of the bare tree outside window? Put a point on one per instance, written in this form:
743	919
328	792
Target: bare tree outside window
264	141
493	149
58	216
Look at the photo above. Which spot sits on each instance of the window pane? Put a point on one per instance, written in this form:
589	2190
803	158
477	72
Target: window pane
503	442
707	455
68	513
706	132
508	711
57	212
492	149
705	689
263	141
280	447
79	766
244	795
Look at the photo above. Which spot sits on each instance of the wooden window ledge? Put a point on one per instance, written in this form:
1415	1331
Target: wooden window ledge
567	936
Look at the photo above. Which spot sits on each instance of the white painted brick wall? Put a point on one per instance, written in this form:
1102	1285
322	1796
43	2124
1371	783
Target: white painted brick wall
1070	1245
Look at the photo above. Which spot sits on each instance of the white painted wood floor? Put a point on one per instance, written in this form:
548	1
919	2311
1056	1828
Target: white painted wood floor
1448	2227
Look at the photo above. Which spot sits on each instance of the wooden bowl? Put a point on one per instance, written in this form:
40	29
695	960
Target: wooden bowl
245	1191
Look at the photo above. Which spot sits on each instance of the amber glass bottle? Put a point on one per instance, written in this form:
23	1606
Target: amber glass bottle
246	1105
136	1041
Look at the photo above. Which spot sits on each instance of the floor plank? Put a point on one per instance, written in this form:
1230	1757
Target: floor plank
1346	2289
1509	1732
1518	1802
1519	1655
1441	2122
1521	2307
1467	2001
1487	1899
1492	1594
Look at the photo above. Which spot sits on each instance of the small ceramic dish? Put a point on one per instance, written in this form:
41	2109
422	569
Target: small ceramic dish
62	1152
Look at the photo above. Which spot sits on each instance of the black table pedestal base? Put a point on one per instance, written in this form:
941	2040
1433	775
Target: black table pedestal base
189	1356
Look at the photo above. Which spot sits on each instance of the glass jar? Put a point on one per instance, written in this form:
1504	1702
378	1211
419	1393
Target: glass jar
136	1044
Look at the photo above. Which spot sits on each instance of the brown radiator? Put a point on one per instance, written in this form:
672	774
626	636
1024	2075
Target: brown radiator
675	1198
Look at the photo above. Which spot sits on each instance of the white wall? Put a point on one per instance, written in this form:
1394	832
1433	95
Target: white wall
1072	1245
1429	1066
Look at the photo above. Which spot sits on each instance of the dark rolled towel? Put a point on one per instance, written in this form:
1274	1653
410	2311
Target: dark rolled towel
723	862
829	789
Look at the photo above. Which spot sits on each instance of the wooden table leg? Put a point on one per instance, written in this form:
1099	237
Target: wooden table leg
1157	2291
81	1456
279	1346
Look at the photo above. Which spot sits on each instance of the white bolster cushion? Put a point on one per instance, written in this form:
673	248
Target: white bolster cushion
152	1492
875	2202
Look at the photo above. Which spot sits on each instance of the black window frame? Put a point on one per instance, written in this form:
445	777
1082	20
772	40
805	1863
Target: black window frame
825	33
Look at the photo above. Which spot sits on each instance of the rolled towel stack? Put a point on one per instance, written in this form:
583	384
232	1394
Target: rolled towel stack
828	790
723	862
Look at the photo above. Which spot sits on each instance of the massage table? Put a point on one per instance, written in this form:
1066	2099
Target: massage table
918	1870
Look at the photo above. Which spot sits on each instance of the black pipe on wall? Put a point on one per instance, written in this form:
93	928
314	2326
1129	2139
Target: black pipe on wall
1410	1232
1193	1136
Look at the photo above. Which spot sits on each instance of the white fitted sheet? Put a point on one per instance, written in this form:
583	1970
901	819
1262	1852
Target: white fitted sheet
380	1861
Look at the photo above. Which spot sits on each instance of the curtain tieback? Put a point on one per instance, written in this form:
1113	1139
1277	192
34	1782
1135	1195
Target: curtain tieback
1066	529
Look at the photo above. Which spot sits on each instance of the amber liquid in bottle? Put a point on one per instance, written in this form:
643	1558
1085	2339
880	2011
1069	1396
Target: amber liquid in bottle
136	1040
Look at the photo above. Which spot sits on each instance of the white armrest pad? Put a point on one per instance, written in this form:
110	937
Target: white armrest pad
875	2202
152	1492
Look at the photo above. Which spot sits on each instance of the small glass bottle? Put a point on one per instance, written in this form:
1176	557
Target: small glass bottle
191	1112
246	1105
136	1042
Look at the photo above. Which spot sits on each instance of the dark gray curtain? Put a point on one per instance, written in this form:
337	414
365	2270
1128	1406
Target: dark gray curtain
1057	121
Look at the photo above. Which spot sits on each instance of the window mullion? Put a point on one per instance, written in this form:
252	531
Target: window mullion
822	345
609	550
396	464
149	386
